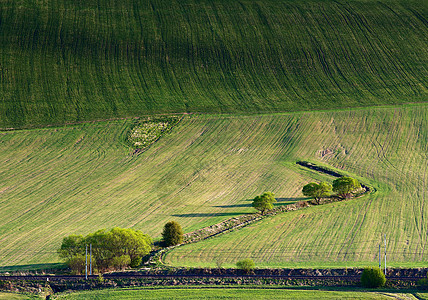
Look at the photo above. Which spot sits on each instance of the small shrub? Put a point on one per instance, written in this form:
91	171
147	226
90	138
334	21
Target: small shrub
172	234
246	264
423	283
372	277
136	262
100	278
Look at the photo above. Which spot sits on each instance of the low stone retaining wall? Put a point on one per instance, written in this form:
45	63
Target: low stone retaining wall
205	276
391	272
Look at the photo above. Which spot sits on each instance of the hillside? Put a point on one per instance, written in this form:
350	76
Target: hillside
385	148
77	179
70	61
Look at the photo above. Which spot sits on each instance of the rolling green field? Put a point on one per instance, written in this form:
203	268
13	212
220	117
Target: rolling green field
387	148
12	296
231	293
77	179
70	61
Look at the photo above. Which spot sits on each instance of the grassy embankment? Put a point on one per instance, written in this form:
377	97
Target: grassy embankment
70	61
76	179
14	296
236	293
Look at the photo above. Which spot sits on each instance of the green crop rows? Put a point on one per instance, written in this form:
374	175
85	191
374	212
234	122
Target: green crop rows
385	148
74	61
76	179
69	61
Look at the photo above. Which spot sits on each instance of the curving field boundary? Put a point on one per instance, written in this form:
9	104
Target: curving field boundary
238	222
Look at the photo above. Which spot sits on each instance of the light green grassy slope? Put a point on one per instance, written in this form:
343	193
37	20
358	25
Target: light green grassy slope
54	182
66	61
388	149
12	296
76	179
227	293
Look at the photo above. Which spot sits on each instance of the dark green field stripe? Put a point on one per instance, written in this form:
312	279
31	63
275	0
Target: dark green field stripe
66	61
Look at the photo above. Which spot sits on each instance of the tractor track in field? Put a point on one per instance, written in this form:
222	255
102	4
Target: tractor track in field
366	208
422	208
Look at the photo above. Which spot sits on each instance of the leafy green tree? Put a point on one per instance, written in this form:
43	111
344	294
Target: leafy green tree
121	262
76	263
71	246
101	248
136	262
246	264
117	248
264	202
172	234
344	186
373	277
317	191
126	241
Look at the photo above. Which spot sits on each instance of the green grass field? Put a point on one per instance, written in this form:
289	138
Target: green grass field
71	61
387	148
232	293
13	296
77	179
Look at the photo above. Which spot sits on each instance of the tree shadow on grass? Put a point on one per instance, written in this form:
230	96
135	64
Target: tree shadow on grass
201	215
280	201
233	205
295	199
287	201
33	267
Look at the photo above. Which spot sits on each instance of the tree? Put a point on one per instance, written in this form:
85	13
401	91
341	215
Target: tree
317	191
102	248
172	234
246	264
121	262
372	277
344	186
117	248
76	263
133	243
264	202
71	246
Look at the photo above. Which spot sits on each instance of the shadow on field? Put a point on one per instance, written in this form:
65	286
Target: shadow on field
33	267
200	215
280	201
291	199
233	205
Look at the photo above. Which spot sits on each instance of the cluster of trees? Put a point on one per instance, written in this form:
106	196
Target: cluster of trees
115	249
343	187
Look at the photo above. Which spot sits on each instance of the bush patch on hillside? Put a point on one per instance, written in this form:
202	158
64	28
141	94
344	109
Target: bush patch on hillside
148	130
